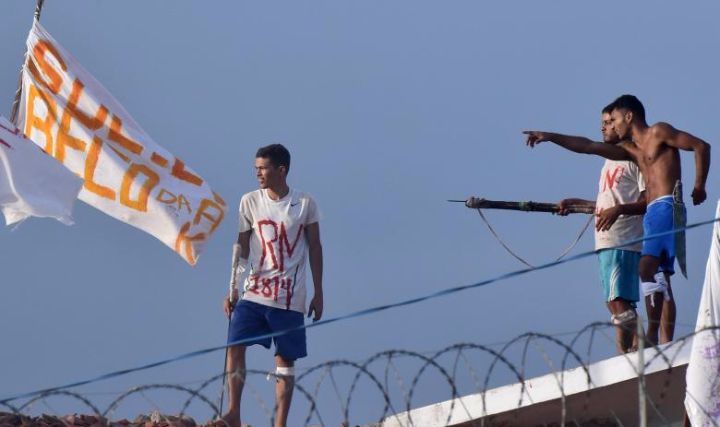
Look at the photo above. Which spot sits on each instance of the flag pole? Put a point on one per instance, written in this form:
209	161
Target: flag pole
18	92
38	9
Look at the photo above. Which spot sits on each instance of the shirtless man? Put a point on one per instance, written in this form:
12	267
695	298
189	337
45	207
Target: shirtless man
655	150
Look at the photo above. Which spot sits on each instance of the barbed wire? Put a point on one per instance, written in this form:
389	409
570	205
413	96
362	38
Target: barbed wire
393	378
328	372
360	313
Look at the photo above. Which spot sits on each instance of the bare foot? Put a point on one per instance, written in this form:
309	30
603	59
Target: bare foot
229	419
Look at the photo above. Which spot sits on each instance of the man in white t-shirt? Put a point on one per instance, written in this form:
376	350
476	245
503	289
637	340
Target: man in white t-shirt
279	231
619	207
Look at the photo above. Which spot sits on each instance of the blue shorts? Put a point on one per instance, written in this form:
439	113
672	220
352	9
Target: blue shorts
658	219
619	274
250	319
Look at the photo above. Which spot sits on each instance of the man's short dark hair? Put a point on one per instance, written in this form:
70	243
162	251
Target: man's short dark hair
630	103
608	108
276	153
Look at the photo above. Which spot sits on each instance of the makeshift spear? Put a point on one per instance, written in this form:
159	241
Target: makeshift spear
18	92
480	203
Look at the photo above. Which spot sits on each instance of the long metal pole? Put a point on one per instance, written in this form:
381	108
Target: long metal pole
18	92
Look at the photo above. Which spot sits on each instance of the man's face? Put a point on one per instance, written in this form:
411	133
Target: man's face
621	123
608	133
267	174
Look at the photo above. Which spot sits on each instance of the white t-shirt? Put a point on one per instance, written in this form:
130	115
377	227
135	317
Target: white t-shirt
620	182
278	247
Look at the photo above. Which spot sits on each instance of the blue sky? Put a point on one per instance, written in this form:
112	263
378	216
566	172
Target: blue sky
389	109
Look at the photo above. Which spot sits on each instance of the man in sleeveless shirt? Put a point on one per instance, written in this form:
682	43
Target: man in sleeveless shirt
279	232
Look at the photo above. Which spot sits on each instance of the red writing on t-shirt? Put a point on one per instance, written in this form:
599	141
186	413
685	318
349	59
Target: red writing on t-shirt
612	179
267	228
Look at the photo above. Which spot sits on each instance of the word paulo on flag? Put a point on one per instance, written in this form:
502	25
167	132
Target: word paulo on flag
127	175
31	182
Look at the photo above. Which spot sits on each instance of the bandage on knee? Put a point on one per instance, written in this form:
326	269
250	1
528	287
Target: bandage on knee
660	278
624	317
650	288
285	371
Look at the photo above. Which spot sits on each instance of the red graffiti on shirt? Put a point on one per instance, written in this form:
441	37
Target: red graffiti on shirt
612	179
271	287
279	239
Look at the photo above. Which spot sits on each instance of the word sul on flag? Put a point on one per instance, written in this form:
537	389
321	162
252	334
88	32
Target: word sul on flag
31	182
68	113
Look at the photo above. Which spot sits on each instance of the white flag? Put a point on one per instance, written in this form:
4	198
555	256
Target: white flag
127	175
702	401
31	182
